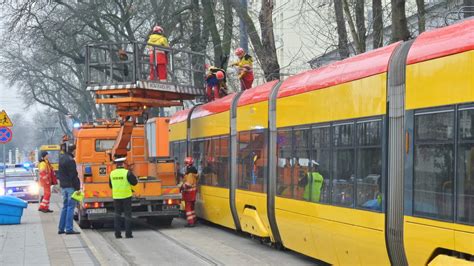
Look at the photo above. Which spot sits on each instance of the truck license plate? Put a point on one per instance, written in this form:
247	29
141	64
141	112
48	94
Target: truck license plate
96	211
172	207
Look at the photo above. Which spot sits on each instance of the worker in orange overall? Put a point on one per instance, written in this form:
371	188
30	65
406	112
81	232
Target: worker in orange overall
47	178
189	189
245	65
158	59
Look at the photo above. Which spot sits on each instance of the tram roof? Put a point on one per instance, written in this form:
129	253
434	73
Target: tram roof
429	45
353	68
180	116
453	39
214	107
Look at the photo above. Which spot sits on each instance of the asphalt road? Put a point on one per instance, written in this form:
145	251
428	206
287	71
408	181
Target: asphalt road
205	244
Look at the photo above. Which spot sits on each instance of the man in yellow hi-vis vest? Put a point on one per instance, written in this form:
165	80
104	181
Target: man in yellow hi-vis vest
312	189
121	181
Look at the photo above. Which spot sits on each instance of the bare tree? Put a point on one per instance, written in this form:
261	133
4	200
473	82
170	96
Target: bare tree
341	30
399	21
357	29
420	5
377	17
51	70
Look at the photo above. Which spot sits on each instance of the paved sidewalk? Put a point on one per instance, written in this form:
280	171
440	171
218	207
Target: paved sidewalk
36	241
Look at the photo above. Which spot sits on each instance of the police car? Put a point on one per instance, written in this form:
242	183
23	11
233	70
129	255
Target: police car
21	182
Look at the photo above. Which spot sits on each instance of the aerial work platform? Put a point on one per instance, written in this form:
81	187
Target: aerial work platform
120	73
134	76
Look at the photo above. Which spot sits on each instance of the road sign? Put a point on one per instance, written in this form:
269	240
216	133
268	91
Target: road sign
5	135
5	120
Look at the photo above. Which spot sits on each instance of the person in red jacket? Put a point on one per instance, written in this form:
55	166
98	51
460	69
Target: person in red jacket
47	178
189	189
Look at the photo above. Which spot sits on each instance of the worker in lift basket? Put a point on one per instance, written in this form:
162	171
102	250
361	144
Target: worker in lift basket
245	65
158	59
121	181
189	189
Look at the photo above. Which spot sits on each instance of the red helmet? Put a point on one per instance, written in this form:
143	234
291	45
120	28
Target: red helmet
157	29
239	52
189	161
220	75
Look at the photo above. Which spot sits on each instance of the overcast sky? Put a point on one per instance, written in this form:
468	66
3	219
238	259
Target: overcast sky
12	102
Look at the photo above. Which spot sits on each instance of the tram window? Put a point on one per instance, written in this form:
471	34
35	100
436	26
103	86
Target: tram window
175	150
321	153
222	158
208	172
284	166
258	161
182	152
369	165
465	179
198	153
433	165
343	165
244	160
302	150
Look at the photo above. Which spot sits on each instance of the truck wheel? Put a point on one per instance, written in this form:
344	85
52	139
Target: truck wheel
158	221
84	223
97	225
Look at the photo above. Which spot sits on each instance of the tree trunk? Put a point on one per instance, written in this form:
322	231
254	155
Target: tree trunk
227	36
199	38
360	23
470	10
399	21
272	68
210	21
420	5
341	30
377	17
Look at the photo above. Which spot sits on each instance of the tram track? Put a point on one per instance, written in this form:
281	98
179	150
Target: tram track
124	247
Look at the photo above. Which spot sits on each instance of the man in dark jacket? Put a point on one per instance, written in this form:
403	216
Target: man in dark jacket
69	182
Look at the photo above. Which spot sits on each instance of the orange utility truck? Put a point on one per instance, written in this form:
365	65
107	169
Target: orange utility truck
143	141
156	196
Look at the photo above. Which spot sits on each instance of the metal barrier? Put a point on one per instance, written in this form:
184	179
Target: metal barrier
122	63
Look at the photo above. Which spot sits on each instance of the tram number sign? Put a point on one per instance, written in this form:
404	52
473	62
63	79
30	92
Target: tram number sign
6	135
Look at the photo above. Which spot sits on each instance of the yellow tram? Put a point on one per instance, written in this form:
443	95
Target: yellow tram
391	133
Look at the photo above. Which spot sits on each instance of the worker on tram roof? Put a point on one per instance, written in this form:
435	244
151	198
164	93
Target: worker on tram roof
216	86
121	181
158	59
245	65
189	190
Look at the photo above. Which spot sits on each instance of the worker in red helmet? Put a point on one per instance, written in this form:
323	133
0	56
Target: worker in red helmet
189	189
216	86
158	59
245	65
216	83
